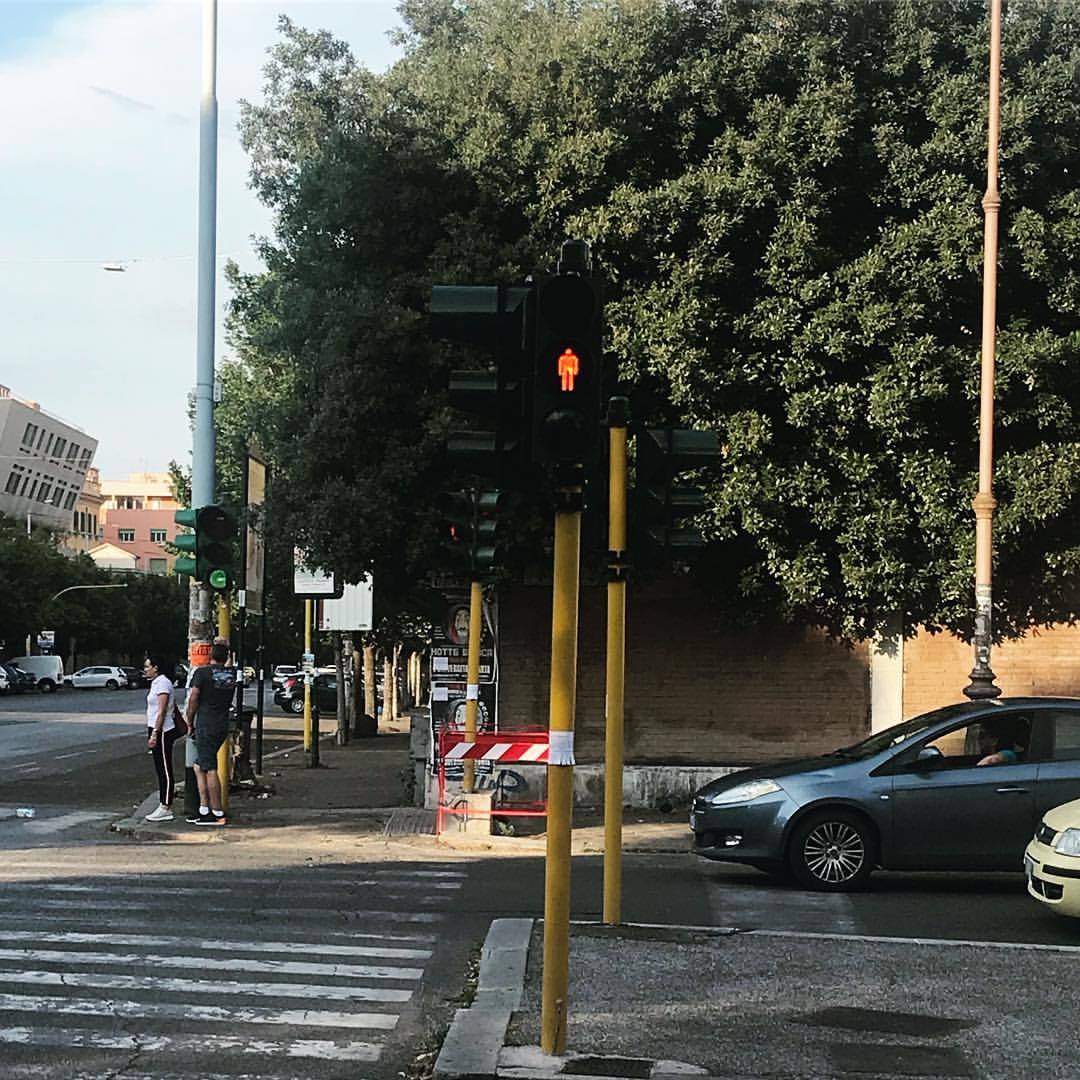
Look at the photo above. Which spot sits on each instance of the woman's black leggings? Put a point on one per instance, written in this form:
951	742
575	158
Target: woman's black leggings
162	753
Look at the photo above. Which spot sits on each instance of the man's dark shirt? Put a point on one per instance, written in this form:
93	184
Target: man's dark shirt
217	688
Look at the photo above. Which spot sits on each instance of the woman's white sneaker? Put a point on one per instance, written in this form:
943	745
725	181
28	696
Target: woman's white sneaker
162	813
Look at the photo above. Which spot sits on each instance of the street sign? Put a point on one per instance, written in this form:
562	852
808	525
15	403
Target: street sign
46	639
311	584
352	612
254	545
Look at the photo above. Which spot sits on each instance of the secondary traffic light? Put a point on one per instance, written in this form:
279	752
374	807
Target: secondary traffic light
662	454
490	318
568	375
211	544
474	529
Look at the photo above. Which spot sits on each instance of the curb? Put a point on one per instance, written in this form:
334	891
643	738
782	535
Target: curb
475	1038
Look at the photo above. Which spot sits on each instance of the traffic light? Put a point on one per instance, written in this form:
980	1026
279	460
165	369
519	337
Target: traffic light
212	545
491	319
568	376
659	502
474	529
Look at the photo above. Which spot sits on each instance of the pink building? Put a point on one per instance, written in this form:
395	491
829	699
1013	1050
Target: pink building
137	518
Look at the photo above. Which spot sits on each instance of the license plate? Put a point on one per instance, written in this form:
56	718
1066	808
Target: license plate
693	822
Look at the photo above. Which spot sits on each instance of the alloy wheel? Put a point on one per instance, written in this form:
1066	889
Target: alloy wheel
834	852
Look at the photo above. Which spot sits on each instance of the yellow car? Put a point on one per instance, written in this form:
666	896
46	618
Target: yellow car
1052	860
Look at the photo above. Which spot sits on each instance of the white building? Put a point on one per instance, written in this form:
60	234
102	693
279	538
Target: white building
43	463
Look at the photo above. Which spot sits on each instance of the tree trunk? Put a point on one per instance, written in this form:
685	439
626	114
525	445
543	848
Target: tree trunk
369	681
395	697
342	719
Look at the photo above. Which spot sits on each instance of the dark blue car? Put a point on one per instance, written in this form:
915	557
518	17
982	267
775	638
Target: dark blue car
961	788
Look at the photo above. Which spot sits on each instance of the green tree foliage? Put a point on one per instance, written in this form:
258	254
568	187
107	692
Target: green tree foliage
786	197
148	613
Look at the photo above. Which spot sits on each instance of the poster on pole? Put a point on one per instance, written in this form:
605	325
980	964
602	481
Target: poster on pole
254	543
309	584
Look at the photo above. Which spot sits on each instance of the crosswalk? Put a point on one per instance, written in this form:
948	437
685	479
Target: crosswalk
285	973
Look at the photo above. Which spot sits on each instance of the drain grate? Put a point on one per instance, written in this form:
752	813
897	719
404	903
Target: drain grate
633	1068
878	1059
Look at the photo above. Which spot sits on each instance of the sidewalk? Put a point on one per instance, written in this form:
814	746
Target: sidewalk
652	1001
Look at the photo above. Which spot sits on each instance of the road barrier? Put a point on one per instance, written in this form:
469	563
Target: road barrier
495	749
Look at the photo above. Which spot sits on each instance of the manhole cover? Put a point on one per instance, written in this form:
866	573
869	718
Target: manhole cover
635	1068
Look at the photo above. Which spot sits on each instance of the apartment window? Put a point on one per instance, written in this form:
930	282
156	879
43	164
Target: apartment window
12	482
40	438
75	523
158	536
126	536
73	452
59	447
159	566
33	488
43	492
48	445
84	461
28	434
72	495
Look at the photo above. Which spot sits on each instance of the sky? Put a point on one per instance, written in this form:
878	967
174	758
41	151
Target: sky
98	166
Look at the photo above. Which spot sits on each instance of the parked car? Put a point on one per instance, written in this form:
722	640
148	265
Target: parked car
19	681
136	680
1052	860
87	678
48	671
5	683
961	788
277	680
324	693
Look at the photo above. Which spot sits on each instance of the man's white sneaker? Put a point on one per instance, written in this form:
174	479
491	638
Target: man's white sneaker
162	813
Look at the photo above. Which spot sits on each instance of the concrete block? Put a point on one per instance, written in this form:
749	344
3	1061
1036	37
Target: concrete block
472	1045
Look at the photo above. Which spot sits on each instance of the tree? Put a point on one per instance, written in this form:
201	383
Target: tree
786	200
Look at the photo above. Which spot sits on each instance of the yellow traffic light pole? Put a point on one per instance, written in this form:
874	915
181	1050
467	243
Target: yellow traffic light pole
224	754
472	687
307	678
618	415
560	773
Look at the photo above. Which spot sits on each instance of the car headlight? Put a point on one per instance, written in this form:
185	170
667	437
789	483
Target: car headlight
742	793
1068	843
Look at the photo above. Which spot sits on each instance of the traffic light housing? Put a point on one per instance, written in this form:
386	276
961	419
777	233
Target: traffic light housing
492	319
662	454
211	544
568	370
474	529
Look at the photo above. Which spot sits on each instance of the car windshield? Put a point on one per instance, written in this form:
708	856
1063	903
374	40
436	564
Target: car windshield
898	733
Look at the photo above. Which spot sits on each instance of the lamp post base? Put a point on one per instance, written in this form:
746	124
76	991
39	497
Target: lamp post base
982	685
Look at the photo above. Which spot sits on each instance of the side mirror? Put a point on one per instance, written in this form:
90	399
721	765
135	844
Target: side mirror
928	753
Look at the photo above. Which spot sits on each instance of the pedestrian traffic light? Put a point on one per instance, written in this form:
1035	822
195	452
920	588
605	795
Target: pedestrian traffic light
212	543
568	376
490	319
473	529
662	454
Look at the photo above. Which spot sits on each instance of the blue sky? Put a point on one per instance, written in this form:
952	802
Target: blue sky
99	164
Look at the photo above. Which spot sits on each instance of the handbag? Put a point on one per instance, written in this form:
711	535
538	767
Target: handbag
180	725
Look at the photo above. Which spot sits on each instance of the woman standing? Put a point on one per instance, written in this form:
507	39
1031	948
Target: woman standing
160	701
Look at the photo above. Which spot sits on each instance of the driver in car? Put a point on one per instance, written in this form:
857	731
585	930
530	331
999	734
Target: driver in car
1009	747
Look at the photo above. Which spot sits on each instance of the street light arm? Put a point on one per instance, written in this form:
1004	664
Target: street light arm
72	588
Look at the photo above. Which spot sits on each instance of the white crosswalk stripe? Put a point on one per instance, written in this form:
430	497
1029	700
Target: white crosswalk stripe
97	977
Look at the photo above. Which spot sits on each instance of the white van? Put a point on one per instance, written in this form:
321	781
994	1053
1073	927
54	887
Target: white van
48	670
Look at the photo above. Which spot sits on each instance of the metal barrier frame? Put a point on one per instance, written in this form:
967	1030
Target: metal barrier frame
486	743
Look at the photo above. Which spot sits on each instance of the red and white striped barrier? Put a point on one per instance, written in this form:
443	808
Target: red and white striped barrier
485	750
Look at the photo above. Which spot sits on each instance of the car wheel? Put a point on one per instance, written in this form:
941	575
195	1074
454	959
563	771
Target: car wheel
46	686
297	705
111	684
832	851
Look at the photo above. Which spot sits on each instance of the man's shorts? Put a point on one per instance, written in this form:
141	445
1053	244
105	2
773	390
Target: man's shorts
208	739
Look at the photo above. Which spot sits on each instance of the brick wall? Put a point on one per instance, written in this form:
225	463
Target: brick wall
698	691
936	667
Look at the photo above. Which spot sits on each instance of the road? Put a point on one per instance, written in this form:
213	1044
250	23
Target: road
78	757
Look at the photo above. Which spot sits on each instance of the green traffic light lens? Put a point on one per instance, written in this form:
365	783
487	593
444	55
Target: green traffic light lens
219	579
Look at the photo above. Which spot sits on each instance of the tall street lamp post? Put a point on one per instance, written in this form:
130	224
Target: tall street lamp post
982	677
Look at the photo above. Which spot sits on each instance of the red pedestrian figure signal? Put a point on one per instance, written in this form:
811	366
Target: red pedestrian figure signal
569	368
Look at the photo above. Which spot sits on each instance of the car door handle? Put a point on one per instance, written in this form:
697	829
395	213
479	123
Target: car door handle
1012	790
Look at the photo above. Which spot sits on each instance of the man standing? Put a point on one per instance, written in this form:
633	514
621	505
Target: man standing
212	691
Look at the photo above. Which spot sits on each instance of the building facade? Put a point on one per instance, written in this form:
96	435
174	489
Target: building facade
43	463
137	517
87	530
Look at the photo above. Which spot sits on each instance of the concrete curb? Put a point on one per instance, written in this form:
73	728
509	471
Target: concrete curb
475	1039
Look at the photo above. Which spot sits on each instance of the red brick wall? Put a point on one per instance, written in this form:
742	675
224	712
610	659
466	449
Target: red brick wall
698	691
936	667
